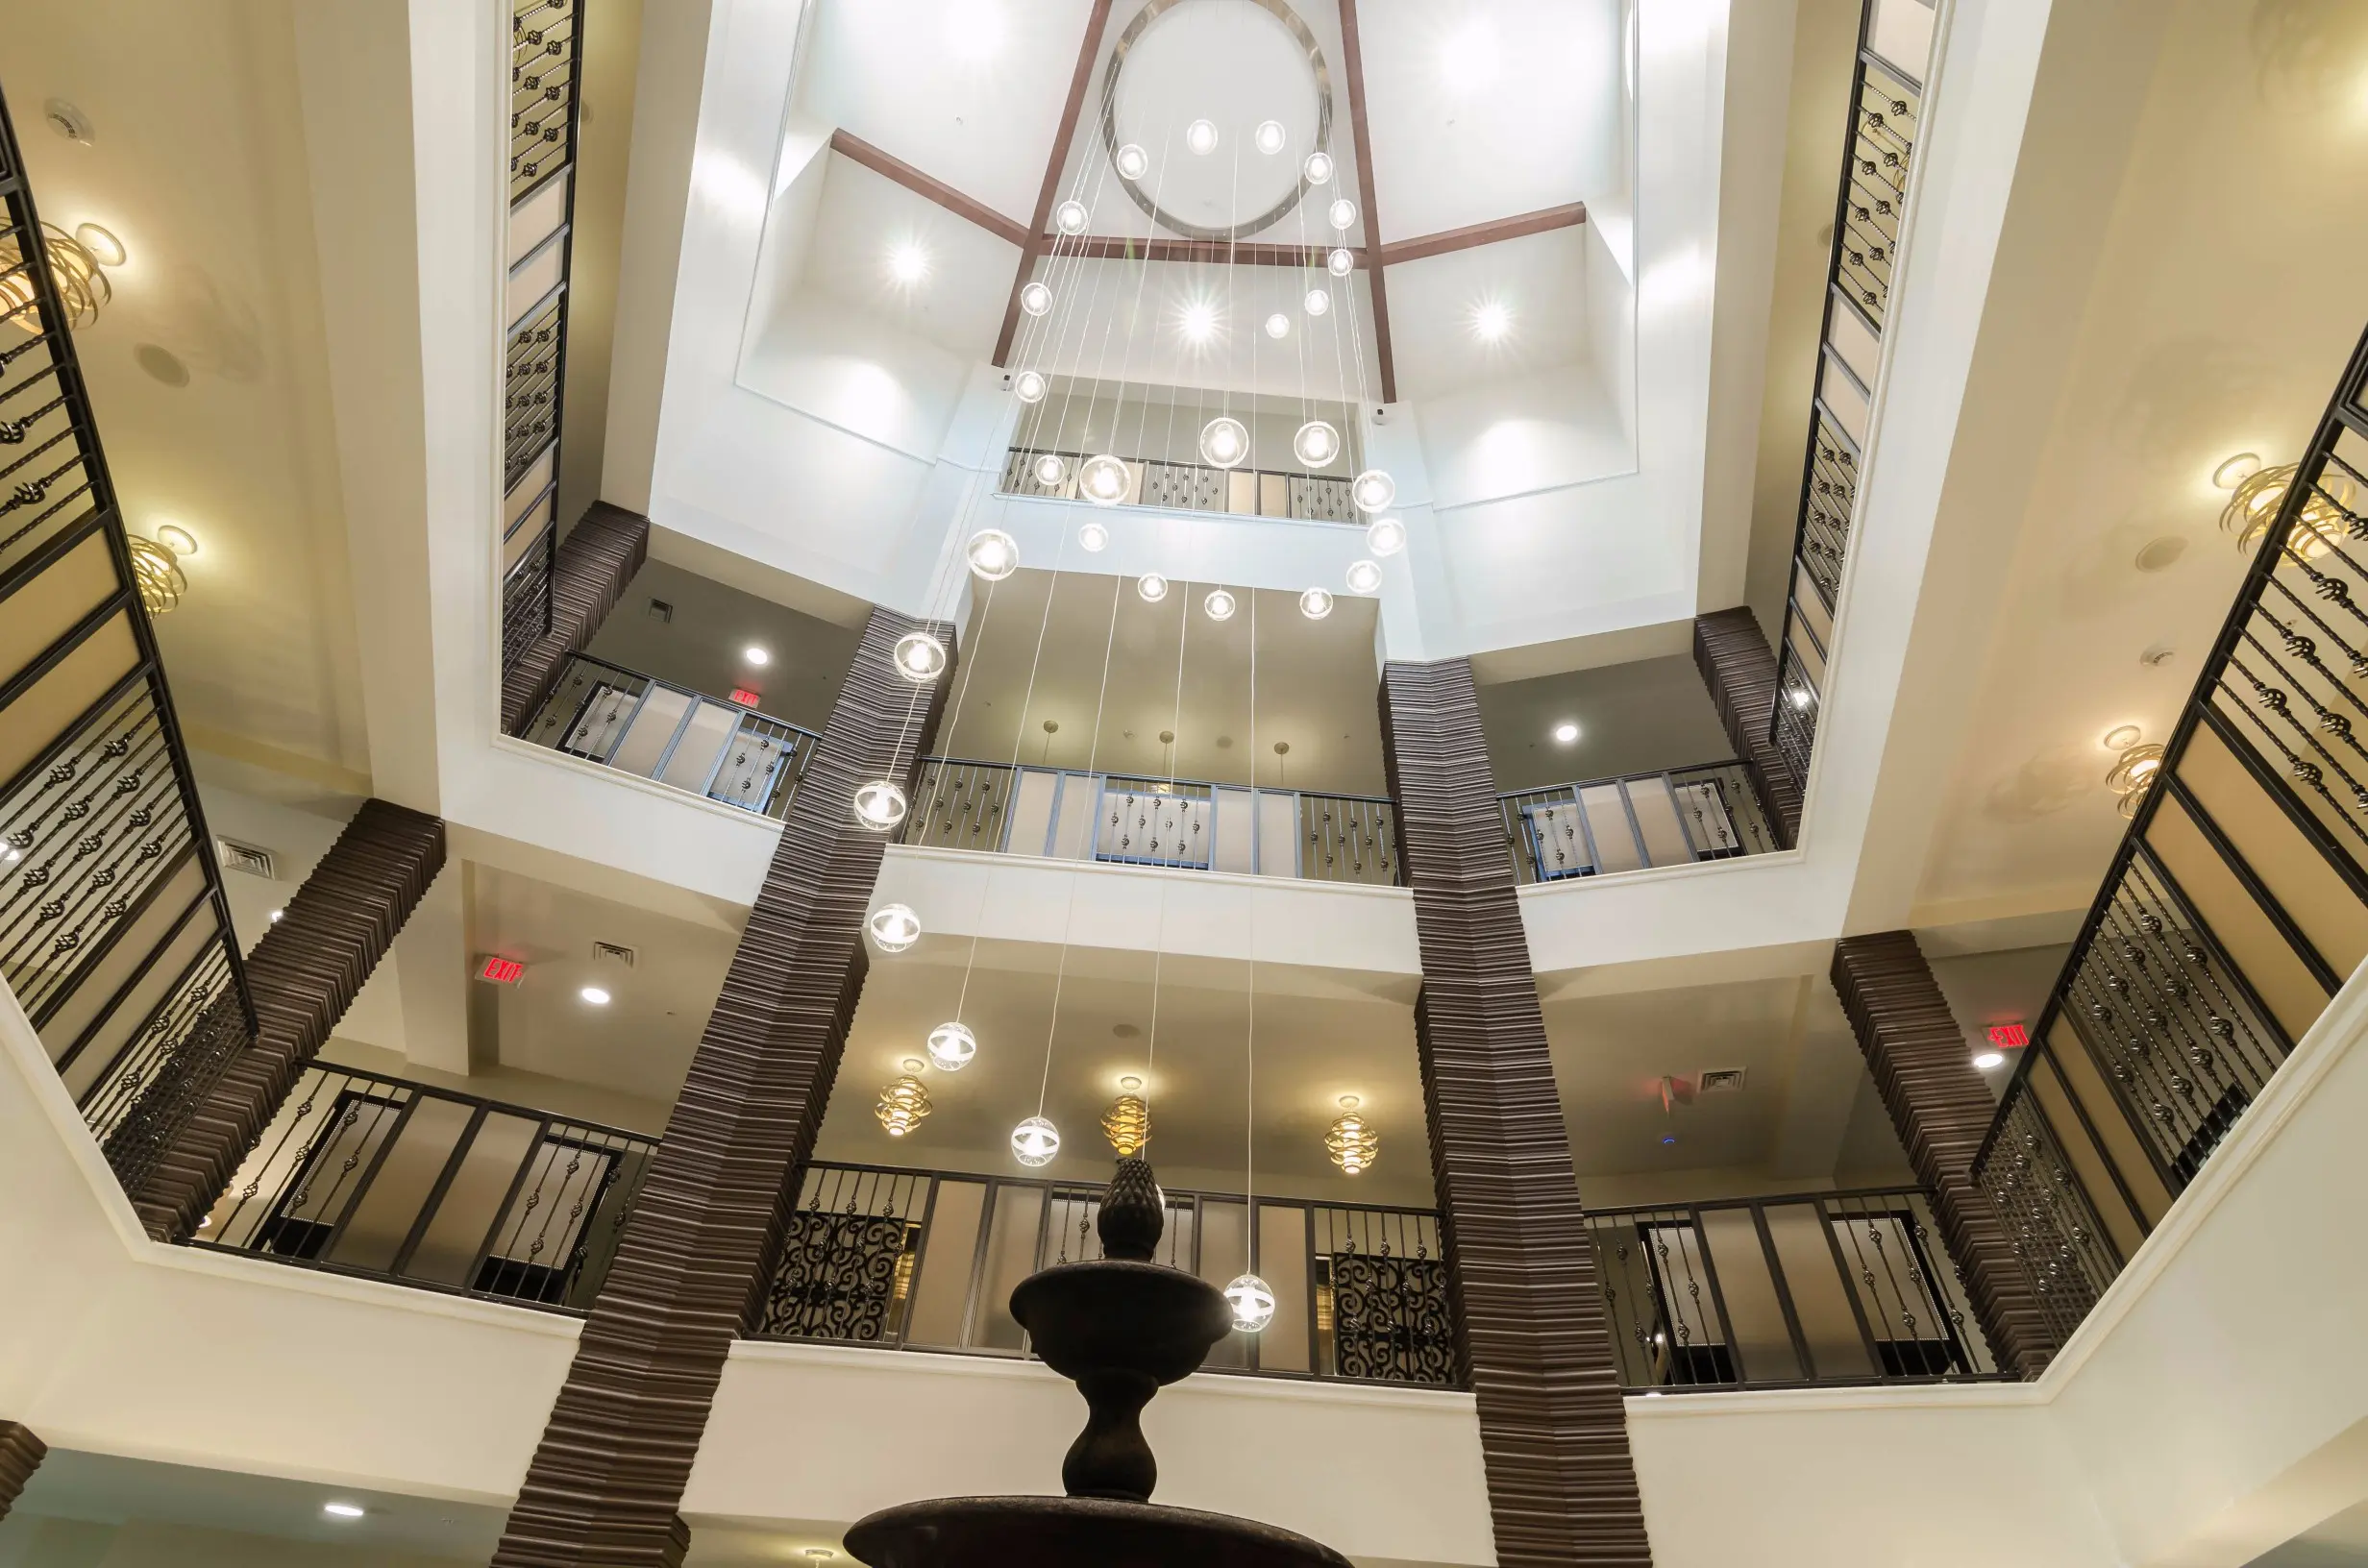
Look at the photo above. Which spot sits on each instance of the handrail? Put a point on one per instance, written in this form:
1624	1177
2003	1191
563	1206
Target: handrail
1128	819
708	746
1191	487
2232	909
1632	822
1869	220
386	1178
116	934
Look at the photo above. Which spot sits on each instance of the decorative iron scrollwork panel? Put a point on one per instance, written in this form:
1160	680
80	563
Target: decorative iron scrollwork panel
842	1276
1389	1318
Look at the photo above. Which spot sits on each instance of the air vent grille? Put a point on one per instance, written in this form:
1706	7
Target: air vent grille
610	952
243	858
1720	1081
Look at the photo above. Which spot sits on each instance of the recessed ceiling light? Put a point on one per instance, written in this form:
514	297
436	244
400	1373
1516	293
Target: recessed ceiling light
104	247
177	539
1201	138
1491	321
908	263
276	915
1566	732
343	1510
1990	1059
594	996
756	655
2236	471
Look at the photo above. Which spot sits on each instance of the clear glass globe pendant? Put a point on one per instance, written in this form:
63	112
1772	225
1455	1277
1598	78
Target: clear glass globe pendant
1316	443
1102	481
880	805
951	1045
1225	441
919	657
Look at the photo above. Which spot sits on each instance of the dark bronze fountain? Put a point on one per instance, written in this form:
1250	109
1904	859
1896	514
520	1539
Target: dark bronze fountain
1119	1327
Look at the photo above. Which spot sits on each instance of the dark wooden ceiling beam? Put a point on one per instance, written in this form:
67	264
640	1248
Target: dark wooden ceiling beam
1352	68
1036	242
933	190
1484	234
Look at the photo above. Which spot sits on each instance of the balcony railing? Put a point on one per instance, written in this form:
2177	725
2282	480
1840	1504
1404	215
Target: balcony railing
1183	824
1823	1287
1192	488
638	724
1886	108
114	934
391	1180
2235	907
544	74
927	1260
1608	825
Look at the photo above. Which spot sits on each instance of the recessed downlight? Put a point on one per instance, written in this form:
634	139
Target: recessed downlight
594	996
1990	1059
756	655
1566	732
343	1510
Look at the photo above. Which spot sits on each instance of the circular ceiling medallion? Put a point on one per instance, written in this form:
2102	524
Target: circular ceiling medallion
1238	63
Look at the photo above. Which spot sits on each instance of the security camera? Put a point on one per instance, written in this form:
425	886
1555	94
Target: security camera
1381	414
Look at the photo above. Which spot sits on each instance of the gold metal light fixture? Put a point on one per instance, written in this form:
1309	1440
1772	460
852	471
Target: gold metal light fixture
158	575
83	288
2133	774
1128	1123
2258	496
1352	1143
905	1104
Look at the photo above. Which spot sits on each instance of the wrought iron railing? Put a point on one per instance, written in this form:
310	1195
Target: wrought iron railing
114	935
650	728
545	73
1886	107
378	1177
1191	487
1607	826
2234	908
927	1260
1820	1288
1185	823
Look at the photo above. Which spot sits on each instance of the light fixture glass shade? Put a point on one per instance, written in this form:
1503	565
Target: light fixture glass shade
921	658
1372	490
1316	604
1351	1143
1342	214
1092	538
1279	325
1051	470
83	288
1102	481
1152	587
1127	1124
1317	302
1030	386
1036	299
1385	536
1035	1142
2236	470
1317	168
104	247
1252	1301
1364	576
1340	262
1132	161
177	539
1071	217
880	805
951	1045
1201	138
1316	443
894	927
2317	527
903	1104
994	554
162	582
1218	606
1225	441
1268	138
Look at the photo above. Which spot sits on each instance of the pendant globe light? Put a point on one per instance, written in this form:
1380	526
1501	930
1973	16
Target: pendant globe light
880	805
1269	137
1036	299
1051	470
1317	168
951	1045
1372	490
1316	604
1225	441
1030	386
1071	216
1316	443
1340	262
1342	214
1317	302
1252	1301
1103	480
894	927
1035	1142
1219	605
993	553
1128	1123
921	658
1092	538
1385	536
1131	161
1364	576
903	1105
1151	587
1201	138
1351	1143
1278	326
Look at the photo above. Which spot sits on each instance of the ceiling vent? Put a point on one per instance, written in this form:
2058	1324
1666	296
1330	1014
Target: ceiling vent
1720	1081
610	952
660	610
243	857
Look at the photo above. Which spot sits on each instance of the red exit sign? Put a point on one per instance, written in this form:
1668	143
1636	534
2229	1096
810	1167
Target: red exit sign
2009	1036
745	697
501	971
